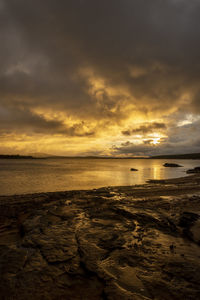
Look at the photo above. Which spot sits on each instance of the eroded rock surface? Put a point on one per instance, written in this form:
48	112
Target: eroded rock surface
111	243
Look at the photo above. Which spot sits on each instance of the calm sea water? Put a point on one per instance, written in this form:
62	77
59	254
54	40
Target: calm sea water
49	175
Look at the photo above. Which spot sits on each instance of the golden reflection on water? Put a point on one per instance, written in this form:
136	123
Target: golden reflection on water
156	172
50	175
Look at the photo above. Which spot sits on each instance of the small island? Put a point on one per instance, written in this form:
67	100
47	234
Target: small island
133	169
171	165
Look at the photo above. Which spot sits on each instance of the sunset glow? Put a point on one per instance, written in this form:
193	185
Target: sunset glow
156	141
100	149
86	85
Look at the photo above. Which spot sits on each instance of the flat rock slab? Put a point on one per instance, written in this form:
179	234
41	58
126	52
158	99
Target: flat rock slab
137	242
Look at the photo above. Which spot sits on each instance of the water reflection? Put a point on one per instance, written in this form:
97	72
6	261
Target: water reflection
156	172
30	176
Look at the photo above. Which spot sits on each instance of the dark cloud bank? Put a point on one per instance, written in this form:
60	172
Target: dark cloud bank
53	54
146	128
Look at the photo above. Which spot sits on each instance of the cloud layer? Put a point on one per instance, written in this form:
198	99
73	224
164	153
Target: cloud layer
95	75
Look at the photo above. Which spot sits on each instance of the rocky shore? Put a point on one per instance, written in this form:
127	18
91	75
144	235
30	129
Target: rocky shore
135	242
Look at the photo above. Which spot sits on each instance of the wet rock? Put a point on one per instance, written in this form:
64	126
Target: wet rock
156	181
195	170
111	241
187	219
89	245
171	165
172	247
12	260
195	230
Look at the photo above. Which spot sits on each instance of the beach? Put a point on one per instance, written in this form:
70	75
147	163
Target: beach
128	242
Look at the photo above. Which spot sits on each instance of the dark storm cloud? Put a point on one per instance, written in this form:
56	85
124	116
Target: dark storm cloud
27	122
150	49
144	129
147	148
132	149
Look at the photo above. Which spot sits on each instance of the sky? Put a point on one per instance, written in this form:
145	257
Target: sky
108	78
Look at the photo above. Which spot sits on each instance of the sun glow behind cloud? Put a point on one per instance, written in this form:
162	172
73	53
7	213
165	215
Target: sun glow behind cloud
114	88
155	141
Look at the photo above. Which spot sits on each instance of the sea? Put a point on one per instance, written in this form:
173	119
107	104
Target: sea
24	176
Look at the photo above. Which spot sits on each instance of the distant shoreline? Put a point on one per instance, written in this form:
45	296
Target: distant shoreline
18	157
171	156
